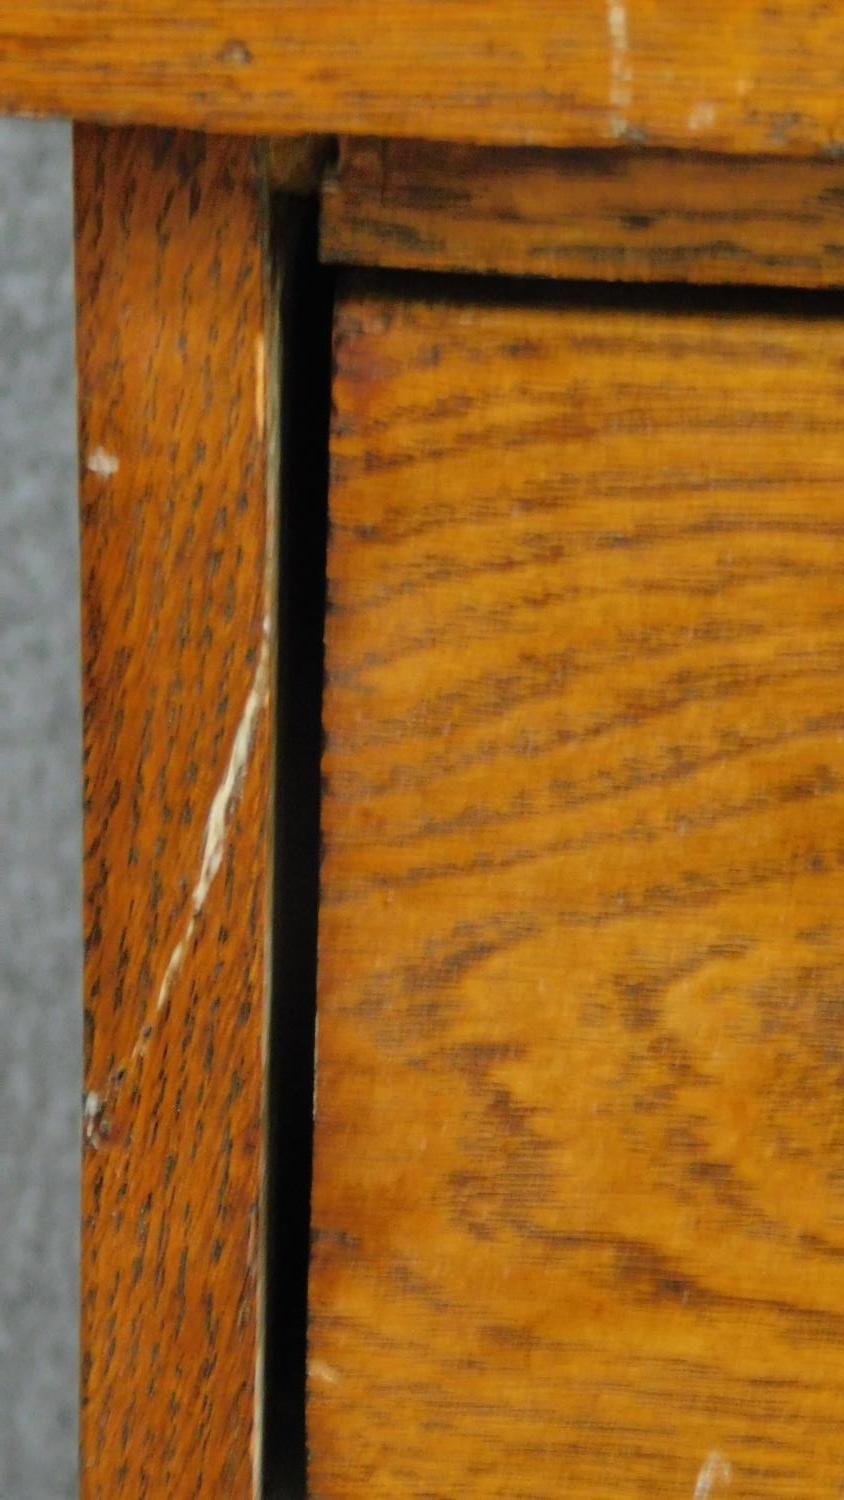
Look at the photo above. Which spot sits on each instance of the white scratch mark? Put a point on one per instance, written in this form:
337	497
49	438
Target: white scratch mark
223	803
173	966
714	1470
92	1106
702	116
102	462
621	72
319	1370
228	791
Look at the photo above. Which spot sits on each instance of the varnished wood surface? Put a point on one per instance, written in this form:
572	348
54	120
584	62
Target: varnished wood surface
731	75
579	1186
615	215
176	355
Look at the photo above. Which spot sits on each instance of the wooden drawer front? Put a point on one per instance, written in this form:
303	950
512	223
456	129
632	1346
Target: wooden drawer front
579	1181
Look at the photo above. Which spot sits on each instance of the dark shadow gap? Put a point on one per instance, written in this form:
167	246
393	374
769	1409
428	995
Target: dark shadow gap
306	318
662	298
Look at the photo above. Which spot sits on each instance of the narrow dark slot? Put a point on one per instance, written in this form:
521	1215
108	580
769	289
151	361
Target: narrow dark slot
663	298
305	412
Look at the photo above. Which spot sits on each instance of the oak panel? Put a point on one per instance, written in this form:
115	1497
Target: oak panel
733	75
614	215
176	350
579	1182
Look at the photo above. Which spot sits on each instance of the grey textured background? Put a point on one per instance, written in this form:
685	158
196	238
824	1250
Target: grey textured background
40	1031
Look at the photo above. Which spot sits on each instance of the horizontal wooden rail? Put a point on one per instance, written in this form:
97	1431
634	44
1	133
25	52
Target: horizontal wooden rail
607	215
730	75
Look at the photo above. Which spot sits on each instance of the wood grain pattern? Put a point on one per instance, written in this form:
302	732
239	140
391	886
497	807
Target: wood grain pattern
734	75
579	1184
176	350
614	215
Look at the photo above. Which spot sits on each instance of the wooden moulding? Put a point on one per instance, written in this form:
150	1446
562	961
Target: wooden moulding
625	215
731	75
176	346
